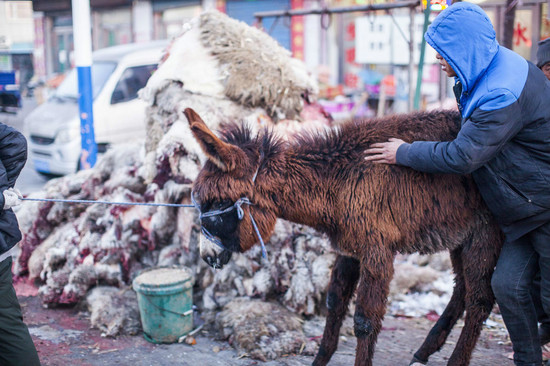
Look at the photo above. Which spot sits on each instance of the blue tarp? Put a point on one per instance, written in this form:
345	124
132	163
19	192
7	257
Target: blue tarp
10	97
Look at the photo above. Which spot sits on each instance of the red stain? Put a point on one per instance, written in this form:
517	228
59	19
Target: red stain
433	316
51	353
74	347
24	287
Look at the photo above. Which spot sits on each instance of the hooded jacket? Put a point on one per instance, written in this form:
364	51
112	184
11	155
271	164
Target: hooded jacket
504	140
13	156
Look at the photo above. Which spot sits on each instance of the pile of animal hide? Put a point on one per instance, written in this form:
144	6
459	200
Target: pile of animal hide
226	71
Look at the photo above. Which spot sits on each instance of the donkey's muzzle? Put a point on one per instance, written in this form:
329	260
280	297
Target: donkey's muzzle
217	261
213	252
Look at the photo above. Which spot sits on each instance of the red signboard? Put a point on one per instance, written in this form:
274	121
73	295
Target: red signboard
297	31
220	6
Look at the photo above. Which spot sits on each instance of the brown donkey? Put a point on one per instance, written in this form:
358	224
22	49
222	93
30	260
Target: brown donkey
369	211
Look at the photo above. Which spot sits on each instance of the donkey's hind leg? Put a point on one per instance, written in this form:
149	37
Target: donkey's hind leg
345	274
479	262
454	310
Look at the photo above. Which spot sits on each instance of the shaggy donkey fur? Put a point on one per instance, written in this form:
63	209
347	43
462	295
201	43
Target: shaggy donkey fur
370	212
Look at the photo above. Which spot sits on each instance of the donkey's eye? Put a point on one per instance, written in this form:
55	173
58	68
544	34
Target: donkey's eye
219	205
215	205
225	204
221	224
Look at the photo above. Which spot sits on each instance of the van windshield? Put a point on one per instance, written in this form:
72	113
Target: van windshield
101	71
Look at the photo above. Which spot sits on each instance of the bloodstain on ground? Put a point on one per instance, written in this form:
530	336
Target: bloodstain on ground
63	334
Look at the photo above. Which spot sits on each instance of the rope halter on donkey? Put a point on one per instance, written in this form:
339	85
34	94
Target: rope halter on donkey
240	214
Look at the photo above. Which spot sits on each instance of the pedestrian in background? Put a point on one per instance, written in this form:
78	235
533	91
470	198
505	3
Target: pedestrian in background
504	142
543	57
16	346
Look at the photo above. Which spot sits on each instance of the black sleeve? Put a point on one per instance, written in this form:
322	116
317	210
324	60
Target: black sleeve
479	140
13	156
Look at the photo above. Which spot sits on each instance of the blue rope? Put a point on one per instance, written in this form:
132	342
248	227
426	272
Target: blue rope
240	213
264	251
237	205
107	202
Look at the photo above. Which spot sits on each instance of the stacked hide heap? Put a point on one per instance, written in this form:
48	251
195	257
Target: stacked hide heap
226	71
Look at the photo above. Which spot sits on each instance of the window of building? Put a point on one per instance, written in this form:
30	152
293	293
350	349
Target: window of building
545	22
112	27
169	22
18	10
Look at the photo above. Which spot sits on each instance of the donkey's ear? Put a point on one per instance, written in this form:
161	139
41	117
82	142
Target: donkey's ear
224	155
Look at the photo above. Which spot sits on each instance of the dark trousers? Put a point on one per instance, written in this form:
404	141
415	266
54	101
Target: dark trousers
513	285
543	318
16	346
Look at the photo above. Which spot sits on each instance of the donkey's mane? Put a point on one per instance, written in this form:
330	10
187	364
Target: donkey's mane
266	140
359	133
349	139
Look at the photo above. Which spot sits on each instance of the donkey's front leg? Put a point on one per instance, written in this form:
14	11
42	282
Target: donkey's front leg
372	294
345	274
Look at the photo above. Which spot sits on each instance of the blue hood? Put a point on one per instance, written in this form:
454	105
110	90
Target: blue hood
464	36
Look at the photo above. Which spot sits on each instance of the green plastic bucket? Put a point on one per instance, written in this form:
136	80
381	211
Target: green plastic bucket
165	300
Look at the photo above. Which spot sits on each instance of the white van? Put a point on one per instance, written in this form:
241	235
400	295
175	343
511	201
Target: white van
119	115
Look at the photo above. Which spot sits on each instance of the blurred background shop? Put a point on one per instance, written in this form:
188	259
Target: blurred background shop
356	55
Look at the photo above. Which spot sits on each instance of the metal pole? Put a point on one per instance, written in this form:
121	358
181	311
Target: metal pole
346	9
83	59
411	57
341	57
421	61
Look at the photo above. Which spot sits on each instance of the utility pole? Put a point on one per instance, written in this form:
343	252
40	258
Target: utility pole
82	31
411	60
421	61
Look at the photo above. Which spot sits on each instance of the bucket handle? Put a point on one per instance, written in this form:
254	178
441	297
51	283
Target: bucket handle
187	313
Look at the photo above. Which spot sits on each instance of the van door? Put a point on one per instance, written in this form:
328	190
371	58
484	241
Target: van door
126	113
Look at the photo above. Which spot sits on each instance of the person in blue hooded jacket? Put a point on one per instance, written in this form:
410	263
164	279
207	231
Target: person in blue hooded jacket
504	142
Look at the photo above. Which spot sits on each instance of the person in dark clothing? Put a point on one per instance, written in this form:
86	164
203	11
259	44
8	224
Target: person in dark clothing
16	346
504	143
543	57
543	62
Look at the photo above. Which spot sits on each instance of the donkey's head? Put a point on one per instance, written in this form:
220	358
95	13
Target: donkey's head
224	190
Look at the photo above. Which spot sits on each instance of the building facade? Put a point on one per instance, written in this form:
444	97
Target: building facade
331	45
113	22
16	39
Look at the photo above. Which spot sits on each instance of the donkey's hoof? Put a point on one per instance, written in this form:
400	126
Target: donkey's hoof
416	362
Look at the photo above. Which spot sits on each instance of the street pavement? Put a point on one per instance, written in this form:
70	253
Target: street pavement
63	336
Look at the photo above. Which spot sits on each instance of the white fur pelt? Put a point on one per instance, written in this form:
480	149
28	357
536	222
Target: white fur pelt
263	330
257	71
113	311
